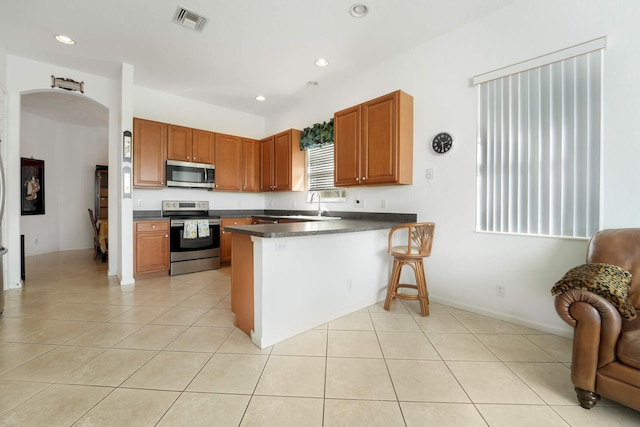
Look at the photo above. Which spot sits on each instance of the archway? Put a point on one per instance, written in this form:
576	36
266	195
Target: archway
70	133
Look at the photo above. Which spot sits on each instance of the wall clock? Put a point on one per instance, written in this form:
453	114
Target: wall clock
442	143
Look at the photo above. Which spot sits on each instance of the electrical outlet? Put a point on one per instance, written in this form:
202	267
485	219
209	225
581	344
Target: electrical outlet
501	290
383	203
139	202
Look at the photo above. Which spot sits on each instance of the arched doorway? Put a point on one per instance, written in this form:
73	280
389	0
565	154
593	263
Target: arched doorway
69	132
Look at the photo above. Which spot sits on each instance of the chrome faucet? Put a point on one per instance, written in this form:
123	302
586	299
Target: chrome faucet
317	193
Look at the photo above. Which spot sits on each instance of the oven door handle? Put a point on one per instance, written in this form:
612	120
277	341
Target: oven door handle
180	222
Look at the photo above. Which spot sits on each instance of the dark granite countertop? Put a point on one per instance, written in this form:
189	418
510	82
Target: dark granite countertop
310	228
150	215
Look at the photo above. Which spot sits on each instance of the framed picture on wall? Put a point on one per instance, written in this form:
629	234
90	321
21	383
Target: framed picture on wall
32	183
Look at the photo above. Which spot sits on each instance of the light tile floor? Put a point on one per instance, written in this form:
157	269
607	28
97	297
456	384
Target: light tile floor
78	349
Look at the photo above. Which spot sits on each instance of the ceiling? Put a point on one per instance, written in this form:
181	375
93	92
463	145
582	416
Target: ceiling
247	48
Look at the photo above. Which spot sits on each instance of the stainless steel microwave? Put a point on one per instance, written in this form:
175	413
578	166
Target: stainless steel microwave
188	174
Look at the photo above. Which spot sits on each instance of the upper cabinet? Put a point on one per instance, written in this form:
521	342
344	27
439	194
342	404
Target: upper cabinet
242	164
238	163
374	142
149	153
282	162
250	165
190	145
202	147
228	152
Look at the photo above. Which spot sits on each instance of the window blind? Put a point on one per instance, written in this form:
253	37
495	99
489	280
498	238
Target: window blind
320	168
538	153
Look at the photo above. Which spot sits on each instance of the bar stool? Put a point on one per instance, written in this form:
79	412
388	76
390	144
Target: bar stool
419	242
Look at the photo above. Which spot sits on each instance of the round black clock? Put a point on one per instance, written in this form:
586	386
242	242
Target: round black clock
442	143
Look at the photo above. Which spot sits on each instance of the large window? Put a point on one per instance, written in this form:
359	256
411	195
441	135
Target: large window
539	139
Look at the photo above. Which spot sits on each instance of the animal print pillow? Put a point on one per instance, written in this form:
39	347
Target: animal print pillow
608	281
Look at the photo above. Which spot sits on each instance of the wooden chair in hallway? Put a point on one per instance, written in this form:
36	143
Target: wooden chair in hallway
418	247
96	238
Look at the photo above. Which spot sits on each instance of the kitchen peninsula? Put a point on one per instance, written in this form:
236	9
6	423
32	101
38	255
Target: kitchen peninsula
289	278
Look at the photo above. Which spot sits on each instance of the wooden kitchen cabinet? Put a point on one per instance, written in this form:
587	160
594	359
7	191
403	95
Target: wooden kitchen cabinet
250	165
228	154
149	153
151	248
238	163
190	145
202	147
225	236
282	162
374	142
242	289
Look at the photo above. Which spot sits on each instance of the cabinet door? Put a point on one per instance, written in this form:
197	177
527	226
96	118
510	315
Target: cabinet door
149	153
250	165
228	154
179	143
266	164
225	236
151	249
380	140
282	161
202	146
346	128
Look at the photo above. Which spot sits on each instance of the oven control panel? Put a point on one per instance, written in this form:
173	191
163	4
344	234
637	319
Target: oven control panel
177	205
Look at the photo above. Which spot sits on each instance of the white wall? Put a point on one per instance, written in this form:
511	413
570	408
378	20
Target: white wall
70	153
154	105
465	266
3	67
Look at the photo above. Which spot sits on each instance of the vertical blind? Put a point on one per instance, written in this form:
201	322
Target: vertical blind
539	140
320	167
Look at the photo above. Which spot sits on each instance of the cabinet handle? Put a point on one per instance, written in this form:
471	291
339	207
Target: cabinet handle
357	179
364	178
153	226
166	235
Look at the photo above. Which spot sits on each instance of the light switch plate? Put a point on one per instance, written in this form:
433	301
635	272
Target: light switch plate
430	173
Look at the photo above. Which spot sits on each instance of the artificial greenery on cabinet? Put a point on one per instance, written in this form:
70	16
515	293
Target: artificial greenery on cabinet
318	135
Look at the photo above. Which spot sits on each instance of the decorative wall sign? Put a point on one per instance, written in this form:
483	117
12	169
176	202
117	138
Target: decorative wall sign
32	183
126	146
126	182
67	84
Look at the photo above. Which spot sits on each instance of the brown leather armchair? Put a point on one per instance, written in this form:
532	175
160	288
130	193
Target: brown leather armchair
606	347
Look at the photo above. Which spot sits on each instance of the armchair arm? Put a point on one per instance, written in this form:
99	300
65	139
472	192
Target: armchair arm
597	325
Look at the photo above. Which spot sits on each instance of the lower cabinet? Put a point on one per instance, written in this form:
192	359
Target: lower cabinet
225	236
151	247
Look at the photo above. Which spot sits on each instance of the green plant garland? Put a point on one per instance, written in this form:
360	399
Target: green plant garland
317	135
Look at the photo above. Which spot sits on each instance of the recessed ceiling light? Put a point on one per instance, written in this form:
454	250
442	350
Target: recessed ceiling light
358	10
64	39
260	98
312	83
321	62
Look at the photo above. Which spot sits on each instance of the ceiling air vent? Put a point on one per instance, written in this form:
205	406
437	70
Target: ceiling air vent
190	19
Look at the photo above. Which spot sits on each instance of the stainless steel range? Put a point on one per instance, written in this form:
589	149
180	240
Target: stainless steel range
194	236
